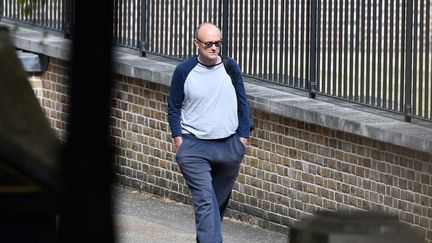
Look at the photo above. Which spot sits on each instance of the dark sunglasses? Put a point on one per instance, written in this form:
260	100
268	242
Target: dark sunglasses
209	44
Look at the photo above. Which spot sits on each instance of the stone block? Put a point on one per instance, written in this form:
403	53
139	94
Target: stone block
352	227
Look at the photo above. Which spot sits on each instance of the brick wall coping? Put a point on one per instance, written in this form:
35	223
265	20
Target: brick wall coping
280	100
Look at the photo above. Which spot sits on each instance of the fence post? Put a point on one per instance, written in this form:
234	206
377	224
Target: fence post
143	39
1	9
225	27
408	62
67	19
312	50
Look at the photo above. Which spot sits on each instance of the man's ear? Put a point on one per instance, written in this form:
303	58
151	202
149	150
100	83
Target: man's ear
196	43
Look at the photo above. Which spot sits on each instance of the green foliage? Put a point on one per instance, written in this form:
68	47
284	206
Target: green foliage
28	6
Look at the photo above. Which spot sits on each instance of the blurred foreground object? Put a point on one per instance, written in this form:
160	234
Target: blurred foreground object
352	227
29	156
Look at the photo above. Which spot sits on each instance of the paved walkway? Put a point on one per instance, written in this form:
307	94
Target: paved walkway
143	217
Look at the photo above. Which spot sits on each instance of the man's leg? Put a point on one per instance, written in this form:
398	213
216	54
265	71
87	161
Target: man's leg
225	169
223	182
196	171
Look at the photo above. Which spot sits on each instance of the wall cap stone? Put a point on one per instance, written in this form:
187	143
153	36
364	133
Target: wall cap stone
284	101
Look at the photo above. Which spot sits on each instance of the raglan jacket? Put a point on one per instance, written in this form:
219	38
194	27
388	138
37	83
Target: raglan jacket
203	102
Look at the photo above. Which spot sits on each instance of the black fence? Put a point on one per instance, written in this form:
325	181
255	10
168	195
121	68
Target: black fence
372	52
54	15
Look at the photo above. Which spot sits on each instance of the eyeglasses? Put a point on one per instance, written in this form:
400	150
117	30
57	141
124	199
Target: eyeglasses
209	44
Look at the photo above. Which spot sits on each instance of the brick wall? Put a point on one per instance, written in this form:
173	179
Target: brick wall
292	168
52	90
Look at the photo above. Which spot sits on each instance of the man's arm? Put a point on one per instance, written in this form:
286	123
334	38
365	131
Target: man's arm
175	100
243	111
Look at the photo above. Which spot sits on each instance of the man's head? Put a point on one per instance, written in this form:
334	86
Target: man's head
208	41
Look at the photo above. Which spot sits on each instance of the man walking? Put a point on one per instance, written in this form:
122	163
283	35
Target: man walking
209	119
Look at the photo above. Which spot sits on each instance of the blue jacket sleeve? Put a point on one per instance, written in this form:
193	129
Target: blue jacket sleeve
243	111
175	101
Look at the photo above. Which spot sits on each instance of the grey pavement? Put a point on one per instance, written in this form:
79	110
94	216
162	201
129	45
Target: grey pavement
143	217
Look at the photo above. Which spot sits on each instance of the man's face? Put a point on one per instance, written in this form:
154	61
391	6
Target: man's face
208	43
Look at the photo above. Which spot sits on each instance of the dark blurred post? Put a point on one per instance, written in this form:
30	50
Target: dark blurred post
86	214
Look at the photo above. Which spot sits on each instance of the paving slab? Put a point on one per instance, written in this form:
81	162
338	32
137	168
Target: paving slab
144	217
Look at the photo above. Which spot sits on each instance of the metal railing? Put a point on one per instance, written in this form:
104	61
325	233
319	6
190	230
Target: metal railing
371	52
55	15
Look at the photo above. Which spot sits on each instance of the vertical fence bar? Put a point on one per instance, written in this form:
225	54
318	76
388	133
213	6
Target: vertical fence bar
386	50
357	44
260	41
225	27
318	30
368	52
190	30
121	22
341	53
335	50
307	35
329	59
51	16
129	24
171	49
167	16
268	54
286	45
291	22
67	19
206	13
414	59
1	9
134	24
391	48
177	29
312	50
59	16
397	77
200	11
296	44
380	67
324	34
183	22
421	67
275	61
240	34
255	59
427	85
345	65
264	27
374	68
115	21
351	66
403	53
138	25
284	36
244	33
143	31
156	25
196	21
363	56
408	61
48	14
302	42
233	34
252	38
